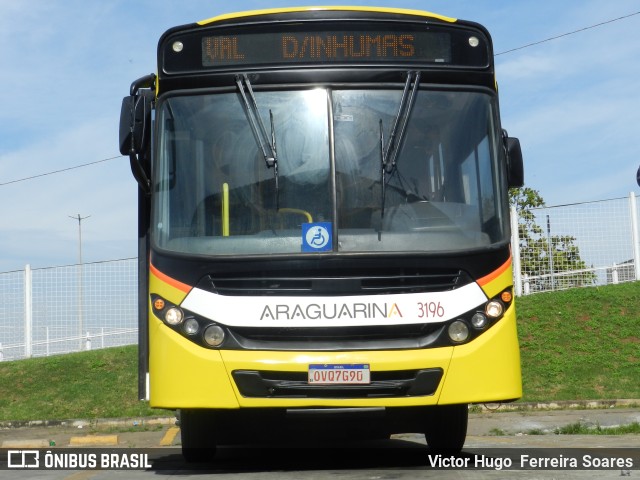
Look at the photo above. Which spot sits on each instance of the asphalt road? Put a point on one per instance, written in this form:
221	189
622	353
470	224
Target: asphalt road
507	435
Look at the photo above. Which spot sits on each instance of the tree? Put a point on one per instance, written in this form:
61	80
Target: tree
551	262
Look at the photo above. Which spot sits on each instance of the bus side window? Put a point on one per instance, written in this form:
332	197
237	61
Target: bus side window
435	175
477	173
469	174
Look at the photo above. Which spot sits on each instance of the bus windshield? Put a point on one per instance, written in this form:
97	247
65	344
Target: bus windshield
216	195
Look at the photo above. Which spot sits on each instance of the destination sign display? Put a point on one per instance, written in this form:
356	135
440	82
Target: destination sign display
292	47
365	44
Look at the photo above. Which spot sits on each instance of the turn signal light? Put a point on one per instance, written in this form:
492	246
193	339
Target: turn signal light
158	303
506	296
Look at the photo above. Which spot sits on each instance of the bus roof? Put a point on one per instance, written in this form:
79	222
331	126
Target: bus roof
269	11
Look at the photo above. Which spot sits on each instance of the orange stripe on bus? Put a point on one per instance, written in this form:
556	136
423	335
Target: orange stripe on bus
495	274
170	281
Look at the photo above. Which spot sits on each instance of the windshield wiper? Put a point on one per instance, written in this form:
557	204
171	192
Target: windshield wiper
266	143
383	171
389	153
394	144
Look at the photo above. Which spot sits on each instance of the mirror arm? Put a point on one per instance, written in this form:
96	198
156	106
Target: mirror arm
135	160
139	174
148	81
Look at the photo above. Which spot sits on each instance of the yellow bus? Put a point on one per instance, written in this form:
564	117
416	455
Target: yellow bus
323	225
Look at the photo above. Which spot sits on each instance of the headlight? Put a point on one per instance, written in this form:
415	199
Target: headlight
458	331
174	316
213	335
479	321
494	309
191	326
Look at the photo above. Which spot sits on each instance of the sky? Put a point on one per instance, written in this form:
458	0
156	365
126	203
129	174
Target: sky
65	65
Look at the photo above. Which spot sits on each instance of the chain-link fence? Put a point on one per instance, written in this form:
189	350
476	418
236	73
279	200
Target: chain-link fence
64	309
70	308
576	245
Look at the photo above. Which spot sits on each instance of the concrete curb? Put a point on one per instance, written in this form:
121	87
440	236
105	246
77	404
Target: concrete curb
20	444
559	405
99	422
94	441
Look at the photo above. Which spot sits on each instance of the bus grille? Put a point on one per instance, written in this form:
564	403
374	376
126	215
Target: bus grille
381	337
316	284
270	384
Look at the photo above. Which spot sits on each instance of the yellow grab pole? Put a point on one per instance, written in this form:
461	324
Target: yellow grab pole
225	209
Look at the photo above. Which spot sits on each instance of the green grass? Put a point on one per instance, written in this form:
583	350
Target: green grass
88	385
579	428
582	429
581	344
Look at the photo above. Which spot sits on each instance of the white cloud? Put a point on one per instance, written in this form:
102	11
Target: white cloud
36	212
67	64
574	105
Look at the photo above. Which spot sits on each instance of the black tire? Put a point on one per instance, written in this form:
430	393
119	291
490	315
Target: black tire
197	432
446	429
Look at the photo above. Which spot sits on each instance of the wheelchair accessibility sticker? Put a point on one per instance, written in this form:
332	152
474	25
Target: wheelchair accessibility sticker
317	237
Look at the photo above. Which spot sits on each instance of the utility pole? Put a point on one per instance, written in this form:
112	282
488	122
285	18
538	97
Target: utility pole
550	246
80	275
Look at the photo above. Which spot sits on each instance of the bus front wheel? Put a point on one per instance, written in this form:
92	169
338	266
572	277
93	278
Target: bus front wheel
197	433
446	427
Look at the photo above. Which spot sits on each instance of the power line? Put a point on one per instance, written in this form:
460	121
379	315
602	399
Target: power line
58	171
569	33
499	53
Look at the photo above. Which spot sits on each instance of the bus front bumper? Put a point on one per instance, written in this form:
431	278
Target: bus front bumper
185	375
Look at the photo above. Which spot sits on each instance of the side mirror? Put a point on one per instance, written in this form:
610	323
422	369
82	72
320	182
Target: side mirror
135	124
638	176
515	165
135	127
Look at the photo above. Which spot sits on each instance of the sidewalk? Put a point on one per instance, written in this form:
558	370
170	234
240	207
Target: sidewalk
510	420
544	421
147	433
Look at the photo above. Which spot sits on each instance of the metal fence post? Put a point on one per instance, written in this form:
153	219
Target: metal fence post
634	234
28	312
515	252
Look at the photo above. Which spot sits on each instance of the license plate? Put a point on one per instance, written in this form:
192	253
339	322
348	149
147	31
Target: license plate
340	374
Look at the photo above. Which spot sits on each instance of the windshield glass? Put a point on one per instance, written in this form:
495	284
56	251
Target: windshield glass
215	194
